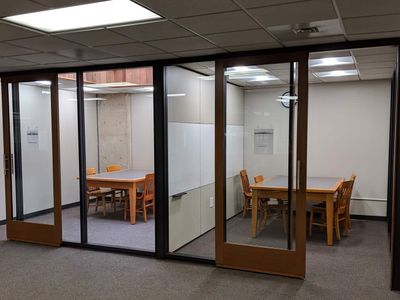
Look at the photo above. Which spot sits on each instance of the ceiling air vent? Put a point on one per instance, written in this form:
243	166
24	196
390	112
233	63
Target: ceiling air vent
305	30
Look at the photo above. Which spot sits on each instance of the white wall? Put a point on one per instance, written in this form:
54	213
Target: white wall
142	131
348	132
191	154
36	158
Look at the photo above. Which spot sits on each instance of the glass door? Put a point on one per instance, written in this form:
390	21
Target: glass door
261	151
31	156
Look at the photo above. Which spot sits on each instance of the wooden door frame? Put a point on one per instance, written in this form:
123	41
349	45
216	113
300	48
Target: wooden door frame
247	257
20	230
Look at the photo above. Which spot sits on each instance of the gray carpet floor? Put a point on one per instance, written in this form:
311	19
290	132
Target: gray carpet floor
355	268
111	230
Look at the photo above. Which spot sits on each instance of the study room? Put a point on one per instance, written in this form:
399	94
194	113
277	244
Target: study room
349	112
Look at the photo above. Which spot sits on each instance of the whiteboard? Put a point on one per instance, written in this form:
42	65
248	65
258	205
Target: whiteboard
191	150
207	153
234	150
183	157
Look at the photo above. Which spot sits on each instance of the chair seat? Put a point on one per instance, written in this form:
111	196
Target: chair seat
100	191
320	205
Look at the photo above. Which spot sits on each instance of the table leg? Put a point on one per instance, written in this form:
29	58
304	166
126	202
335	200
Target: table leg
132	202
329	219
254	210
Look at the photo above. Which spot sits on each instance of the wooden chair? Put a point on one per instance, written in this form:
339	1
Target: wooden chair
121	193
278	205
246	192
340	210
96	193
145	199
113	168
353	179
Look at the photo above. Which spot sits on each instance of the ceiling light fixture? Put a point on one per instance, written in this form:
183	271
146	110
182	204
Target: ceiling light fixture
337	73
94	15
177	95
331	61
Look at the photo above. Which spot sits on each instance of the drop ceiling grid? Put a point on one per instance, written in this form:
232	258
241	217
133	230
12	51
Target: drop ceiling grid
243	19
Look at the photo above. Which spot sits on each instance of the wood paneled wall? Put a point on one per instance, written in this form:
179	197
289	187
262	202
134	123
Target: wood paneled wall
136	76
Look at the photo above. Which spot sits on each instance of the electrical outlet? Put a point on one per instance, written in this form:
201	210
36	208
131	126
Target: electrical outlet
211	202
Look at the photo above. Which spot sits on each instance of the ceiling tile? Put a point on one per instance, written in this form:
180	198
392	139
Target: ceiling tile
44	43
68	64
374	50
376	76
376	58
325	28
295	13
129	49
44	58
63	3
11	32
182	44
380	35
374	65
241	38
200	52
9	50
258	3
315	41
368	71
84	53
95	37
150	57
10	62
372	24
153	31
114	60
13	7
216	23
179	8
259	46
359	8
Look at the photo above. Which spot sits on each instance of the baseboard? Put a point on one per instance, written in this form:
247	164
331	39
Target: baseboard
371	218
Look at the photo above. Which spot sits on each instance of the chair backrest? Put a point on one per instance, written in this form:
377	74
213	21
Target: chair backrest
344	195
245	183
352	179
258	178
113	168
148	190
90	171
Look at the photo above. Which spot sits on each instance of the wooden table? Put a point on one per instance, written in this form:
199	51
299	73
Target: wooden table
124	180
319	189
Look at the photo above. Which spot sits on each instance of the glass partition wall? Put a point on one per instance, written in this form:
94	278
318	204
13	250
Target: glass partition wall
190	90
260	119
119	140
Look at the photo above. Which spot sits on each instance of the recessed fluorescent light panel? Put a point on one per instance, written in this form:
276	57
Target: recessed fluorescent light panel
331	61
249	74
94	15
337	73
